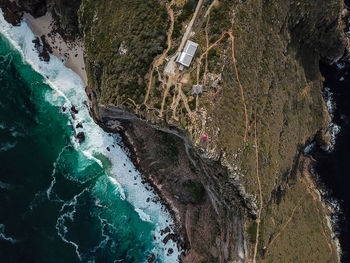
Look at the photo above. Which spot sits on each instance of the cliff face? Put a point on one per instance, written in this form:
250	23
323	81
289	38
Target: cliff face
207	208
244	193
65	13
258	64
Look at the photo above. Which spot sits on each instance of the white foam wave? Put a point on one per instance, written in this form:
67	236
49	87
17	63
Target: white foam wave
91	157
53	182
332	127
62	229
119	187
6	238
68	90
308	149
143	215
5	186
105	236
7	146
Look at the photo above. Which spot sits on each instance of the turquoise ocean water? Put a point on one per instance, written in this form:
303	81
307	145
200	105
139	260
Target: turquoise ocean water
61	201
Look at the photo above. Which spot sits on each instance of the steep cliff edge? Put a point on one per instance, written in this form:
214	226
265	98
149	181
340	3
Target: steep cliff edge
258	64
245	193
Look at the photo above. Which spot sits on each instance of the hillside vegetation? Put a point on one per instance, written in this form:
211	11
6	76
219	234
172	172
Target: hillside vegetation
258	64
121	39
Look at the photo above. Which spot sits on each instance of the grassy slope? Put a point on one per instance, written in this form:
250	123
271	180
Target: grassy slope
138	27
277	47
283	93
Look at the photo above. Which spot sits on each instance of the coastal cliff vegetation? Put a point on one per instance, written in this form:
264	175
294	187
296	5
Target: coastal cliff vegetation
258	65
246	193
121	41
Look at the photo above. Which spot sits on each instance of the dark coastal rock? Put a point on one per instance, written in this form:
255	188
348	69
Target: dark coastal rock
36	8
80	136
46	44
108	149
170	251
65	14
13	10
169	237
151	258
74	110
165	230
12	13
42	47
79	125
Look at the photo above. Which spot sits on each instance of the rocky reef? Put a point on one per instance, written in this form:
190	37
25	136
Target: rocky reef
245	193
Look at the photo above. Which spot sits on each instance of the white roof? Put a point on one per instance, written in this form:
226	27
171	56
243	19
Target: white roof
186	56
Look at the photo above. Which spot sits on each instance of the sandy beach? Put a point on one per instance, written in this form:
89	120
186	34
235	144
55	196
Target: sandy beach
72	53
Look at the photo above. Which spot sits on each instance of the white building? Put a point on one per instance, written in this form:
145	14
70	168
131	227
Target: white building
186	56
197	89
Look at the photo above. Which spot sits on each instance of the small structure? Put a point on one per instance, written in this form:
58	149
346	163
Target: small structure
197	89
186	56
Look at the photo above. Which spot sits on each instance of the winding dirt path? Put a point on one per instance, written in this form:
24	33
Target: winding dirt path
279	232
171	81
158	61
240	86
312	190
171	64
170	69
236	73
260	193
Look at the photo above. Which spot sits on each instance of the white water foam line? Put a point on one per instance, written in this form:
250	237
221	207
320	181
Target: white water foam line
6	238
333	128
68	90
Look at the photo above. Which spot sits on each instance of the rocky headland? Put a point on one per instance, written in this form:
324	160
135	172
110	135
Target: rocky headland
245	194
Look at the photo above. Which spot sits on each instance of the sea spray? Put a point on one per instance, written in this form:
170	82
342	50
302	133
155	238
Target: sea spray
332	127
6	238
68	91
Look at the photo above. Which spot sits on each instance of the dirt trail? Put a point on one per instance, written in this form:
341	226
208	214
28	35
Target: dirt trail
171	64
240	86
312	190
236	72
210	7
279	232
171	81
207	14
170	69
259	55
158	61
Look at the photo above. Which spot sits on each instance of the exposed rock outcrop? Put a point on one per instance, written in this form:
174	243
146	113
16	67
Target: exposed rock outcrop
234	193
270	81
206	205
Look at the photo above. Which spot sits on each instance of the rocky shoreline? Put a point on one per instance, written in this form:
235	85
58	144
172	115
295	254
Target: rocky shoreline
210	211
49	40
15	15
180	202
129	147
182	208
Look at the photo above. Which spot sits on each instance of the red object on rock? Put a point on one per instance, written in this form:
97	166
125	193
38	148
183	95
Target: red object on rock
204	137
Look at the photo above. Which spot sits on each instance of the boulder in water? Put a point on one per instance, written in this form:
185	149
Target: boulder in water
80	136
151	258
74	109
